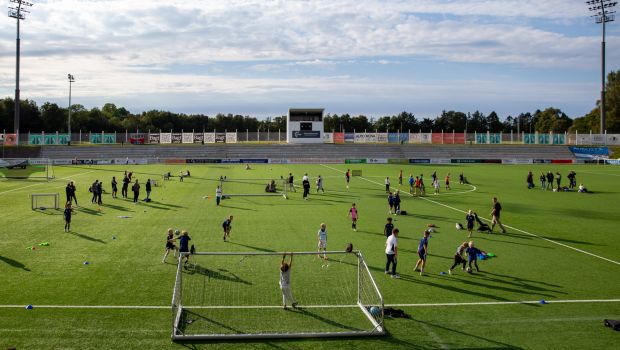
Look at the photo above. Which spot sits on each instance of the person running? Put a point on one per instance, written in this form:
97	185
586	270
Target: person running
169	245
322	237
411	183
227	226
400	178
136	191
319	184
472	256
391	203
67	214
291	184
354	215
391	253
306	185
458	257
126	182
387	185
543	180
218	195
389	227
347	175
114	187
147	187
422	253
495	213
285	282
184	239
470	218
448	182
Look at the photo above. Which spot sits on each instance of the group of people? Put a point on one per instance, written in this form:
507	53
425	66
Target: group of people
549	179
183	248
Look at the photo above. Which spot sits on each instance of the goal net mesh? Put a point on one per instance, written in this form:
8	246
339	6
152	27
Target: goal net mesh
252	187
44	201
237	295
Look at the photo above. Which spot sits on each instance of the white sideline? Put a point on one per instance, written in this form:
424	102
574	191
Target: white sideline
43	183
157	307
511	227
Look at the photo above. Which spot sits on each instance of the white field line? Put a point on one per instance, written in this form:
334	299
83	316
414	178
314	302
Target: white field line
511	227
164	307
594	173
43	183
434	335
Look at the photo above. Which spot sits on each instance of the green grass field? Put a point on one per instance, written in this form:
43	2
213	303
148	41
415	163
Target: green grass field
559	247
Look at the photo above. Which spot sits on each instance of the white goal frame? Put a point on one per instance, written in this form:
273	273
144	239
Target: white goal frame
376	325
35	196
23	162
283	192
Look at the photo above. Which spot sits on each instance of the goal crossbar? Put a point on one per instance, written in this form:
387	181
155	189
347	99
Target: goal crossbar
215	315
282	192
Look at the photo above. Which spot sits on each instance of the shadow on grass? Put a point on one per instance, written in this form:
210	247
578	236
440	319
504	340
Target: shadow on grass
49	211
14	263
88	211
224	275
486	238
253	247
464	335
233	207
88	238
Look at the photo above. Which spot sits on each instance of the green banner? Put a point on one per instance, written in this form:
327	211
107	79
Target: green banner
35	139
355	161
559	139
95	138
63	139
51	139
481	138
529	138
109	138
495	138
543	139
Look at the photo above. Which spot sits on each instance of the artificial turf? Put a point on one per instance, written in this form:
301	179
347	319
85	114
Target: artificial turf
559	246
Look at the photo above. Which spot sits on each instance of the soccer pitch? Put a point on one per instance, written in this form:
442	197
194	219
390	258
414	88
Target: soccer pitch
560	247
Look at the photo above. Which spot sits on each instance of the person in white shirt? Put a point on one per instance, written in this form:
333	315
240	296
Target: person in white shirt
218	195
285	282
391	252
387	185
322	237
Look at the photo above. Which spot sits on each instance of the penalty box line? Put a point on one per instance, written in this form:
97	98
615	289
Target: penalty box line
511	227
163	307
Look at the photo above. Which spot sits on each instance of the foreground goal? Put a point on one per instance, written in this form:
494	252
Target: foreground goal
252	187
237	296
44	201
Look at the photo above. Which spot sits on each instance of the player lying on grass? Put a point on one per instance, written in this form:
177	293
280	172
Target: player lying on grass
285	282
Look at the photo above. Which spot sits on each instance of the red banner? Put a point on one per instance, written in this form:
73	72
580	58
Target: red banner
338	137
10	139
437	137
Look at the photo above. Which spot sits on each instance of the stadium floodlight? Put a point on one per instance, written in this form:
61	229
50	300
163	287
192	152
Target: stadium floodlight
71	81
603	13
17	10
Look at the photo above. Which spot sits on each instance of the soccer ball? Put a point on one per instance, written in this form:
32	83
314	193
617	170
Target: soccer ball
375	311
469	270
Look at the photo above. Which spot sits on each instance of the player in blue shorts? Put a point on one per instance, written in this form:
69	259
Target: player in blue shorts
184	245
470	222
422	252
472	256
67	213
227	226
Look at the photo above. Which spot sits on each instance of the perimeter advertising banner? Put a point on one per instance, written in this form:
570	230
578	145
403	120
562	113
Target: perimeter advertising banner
35	139
165	137
338	137
209	137
426	137
188	137
529	139
349	137
95	138
109	139
154	138
50	139
137	138
231	137
328	137
199	137
365	137
10	139
559	139
63	139
1	138
376	161
177	137
220	137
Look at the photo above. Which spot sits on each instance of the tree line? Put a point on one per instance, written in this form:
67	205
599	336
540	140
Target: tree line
50	118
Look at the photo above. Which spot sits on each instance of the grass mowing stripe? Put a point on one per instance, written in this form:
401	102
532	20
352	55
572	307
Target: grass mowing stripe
43	183
157	307
434	336
511	227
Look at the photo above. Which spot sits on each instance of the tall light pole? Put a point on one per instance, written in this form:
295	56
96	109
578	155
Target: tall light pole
17	10
71	81
603	13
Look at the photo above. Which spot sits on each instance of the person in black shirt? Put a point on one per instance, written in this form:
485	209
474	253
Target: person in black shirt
530	180
93	190
73	189
389	227
184	245
114	187
227	226
136	191
148	190
68	192
497	208
397	202
99	192
549	180
125	186
67	213
306	185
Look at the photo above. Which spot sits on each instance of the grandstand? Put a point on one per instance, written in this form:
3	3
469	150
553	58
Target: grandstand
325	151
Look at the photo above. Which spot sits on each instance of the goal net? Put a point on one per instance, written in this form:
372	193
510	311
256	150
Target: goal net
237	295
26	168
253	187
44	201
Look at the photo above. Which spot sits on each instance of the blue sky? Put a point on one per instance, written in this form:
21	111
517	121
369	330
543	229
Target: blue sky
260	57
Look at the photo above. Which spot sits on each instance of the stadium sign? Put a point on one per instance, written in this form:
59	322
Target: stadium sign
376	161
419	161
306	134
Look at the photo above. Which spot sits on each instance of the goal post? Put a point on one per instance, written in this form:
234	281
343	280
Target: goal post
44	201
236	295
27	168
252	187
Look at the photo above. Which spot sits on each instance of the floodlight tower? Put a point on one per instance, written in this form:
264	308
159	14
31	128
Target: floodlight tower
603	13
17	10
71	81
